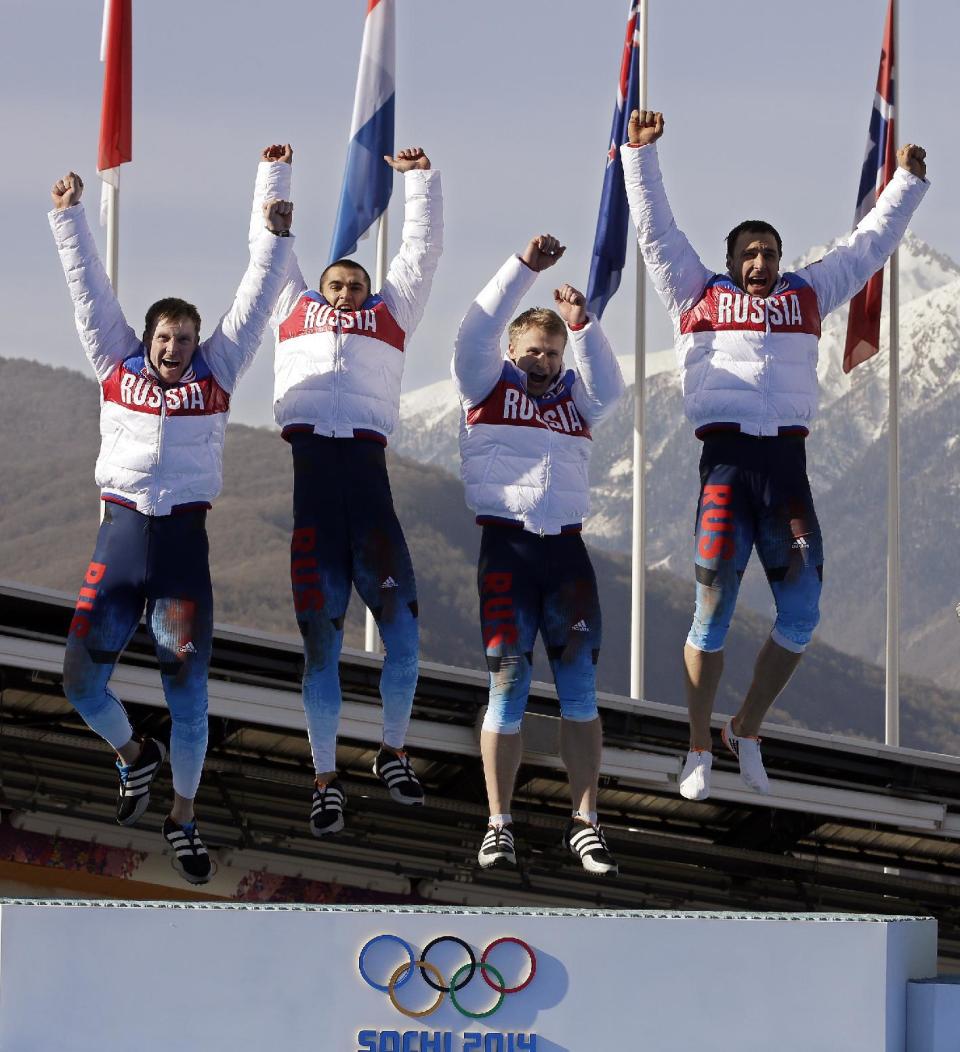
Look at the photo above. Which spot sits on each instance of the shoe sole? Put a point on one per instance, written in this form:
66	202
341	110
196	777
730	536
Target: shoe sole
191	879
329	830
138	812
500	862
144	802
598	869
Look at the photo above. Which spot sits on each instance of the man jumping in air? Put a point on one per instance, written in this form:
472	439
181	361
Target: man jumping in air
525	445
164	407
339	362
747	346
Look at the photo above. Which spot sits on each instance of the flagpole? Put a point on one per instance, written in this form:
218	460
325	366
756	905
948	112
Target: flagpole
112	191
892	698
638	584
371	636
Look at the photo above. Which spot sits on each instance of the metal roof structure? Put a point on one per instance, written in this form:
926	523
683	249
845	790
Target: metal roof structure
851	825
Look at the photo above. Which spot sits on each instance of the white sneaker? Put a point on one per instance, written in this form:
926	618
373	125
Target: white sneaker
695	777
747	751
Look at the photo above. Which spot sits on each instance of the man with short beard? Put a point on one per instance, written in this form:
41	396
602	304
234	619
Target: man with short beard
163	416
338	366
747	347
525	444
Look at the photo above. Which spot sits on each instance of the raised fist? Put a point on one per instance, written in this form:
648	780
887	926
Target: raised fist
277	215
67	191
571	304
644	127
277	153
542	252
914	159
412	157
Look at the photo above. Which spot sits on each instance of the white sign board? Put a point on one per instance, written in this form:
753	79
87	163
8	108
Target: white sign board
153	977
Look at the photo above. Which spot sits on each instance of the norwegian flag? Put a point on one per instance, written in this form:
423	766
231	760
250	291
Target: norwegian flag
879	164
610	243
116	115
367	178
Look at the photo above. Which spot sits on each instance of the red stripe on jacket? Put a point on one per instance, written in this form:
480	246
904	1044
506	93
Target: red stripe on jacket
141	394
509	404
311	316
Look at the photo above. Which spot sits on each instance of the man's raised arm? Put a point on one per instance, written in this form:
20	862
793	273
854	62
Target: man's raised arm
232	346
844	270
674	267
599	383
410	274
274	176
104	332
477	357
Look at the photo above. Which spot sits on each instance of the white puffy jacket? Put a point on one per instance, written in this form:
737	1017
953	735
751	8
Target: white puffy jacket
744	359
338	373
161	445
525	460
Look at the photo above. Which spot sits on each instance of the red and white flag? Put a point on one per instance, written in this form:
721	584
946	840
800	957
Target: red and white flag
116	116
879	165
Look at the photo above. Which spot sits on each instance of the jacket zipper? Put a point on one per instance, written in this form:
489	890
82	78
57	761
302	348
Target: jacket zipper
547	463
767	367
337	363
163	416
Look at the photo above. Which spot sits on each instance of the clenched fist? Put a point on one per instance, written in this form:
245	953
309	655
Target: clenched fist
914	159
542	252
644	127
67	191
277	152
278	215
571	304
405	160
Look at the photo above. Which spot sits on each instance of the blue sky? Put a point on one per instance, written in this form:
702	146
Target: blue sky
767	108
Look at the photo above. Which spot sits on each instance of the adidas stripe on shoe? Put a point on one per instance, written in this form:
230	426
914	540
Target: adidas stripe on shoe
747	751
497	848
190	857
326	813
135	779
588	844
397	774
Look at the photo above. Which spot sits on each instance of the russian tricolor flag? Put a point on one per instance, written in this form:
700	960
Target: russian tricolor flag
368	179
879	165
610	243
116	115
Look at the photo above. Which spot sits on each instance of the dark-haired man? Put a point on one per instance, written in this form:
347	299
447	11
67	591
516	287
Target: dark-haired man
525	444
747	346
164	406
338	365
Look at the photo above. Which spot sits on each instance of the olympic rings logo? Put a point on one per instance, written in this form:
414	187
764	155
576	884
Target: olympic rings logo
433	977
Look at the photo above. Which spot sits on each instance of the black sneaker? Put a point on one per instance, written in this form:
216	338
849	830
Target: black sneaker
587	842
397	774
497	848
190	858
326	814
135	781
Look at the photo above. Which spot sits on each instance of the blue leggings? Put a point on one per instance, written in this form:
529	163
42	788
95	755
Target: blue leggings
161	563
346	533
754	493
530	585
